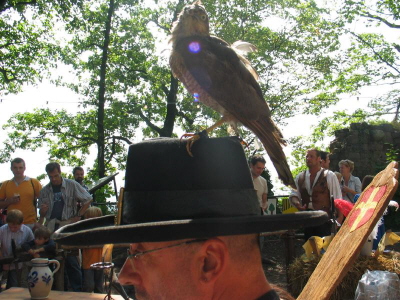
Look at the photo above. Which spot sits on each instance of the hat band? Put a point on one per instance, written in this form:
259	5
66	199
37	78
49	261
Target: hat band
154	206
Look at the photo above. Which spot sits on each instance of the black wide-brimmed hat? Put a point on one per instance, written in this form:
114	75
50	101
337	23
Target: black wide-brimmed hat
170	195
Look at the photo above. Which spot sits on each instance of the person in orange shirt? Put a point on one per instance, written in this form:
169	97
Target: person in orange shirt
21	192
92	279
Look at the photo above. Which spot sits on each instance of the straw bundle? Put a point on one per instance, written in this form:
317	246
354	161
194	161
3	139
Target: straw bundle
300	271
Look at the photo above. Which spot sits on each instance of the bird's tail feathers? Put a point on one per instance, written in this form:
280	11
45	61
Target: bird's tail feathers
272	139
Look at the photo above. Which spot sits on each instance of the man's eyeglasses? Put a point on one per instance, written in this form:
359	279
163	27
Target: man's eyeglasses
138	254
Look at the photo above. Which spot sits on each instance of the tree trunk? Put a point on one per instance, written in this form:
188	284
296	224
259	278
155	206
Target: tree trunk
102	90
396	115
169	121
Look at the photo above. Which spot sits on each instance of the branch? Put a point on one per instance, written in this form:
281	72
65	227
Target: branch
188	120
391	25
166	29
101	47
78	146
165	89
375	53
122	139
397	47
79	138
3	6
6	79
149	123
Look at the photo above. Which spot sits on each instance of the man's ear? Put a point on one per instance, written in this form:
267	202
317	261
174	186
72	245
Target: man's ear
214	259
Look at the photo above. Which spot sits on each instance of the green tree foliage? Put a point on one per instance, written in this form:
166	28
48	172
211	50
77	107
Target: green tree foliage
118	53
373	57
28	47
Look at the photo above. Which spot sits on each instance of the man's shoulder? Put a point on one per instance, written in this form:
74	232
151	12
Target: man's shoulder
328	172
24	227
5	183
301	174
3	228
46	187
70	182
262	179
34	180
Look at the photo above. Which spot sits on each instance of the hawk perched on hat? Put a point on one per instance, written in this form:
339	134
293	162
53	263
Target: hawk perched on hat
220	77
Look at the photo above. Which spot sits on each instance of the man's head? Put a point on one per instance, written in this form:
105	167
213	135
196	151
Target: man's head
14	219
42	235
257	165
176	269
78	173
18	167
313	158
53	170
325	160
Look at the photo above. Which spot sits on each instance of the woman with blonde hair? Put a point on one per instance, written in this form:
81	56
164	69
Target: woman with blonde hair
349	184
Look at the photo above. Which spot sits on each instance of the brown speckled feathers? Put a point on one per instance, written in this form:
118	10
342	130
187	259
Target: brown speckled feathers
224	81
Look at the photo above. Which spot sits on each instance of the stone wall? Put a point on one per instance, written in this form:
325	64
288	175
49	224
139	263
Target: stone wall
366	145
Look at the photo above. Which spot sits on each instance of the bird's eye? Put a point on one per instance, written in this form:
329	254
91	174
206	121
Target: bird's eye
203	17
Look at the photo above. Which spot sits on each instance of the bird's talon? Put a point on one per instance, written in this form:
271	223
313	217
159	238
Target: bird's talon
191	139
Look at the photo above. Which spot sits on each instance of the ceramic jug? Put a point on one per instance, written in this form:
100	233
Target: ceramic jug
40	278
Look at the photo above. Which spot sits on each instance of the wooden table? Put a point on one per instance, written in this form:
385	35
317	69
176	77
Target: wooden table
23	294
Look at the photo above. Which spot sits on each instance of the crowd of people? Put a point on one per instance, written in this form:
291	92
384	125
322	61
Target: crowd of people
62	201
318	186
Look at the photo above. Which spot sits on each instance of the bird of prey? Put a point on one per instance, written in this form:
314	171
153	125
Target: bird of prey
217	75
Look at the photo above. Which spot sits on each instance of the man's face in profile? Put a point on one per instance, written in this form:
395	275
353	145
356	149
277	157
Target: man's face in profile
164	274
325	163
312	159
79	176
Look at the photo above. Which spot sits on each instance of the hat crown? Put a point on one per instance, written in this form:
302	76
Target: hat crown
164	183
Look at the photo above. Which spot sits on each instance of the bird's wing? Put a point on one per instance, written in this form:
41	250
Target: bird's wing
222	80
221	74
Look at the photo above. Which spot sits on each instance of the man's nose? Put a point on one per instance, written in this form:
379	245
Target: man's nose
127	275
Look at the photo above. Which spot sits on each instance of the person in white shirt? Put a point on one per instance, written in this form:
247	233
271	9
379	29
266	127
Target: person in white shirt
20	233
257	166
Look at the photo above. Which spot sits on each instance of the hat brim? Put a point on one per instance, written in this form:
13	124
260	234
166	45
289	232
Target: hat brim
99	231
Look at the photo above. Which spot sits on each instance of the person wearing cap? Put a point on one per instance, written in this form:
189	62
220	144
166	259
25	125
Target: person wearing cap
194	234
315	188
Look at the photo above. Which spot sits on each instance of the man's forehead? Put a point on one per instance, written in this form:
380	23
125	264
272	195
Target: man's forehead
259	164
311	152
18	165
